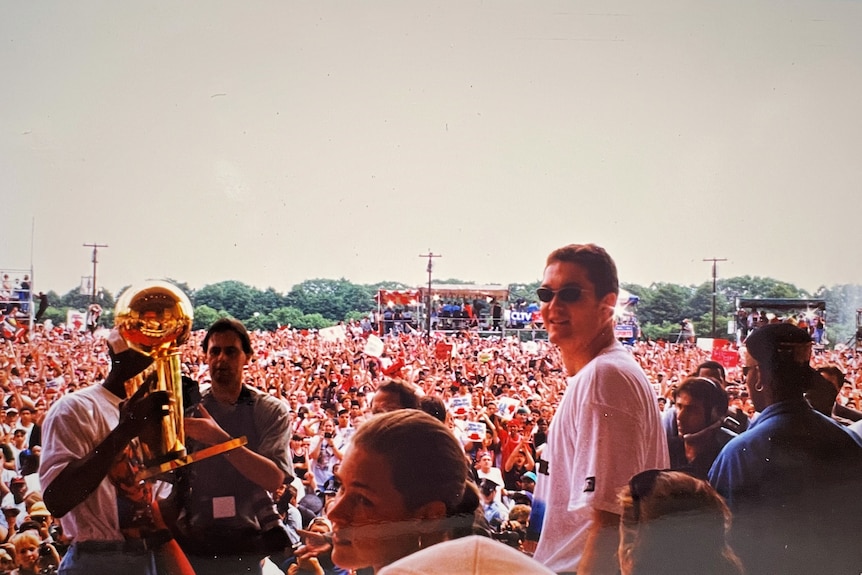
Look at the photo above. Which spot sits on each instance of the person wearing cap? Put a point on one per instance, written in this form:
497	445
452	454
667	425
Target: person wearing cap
484	469
13	505
7	562
793	479
607	425
40	515
528	483
227	520
85	434
495	512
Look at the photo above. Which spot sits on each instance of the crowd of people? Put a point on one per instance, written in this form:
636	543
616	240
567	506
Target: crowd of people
555	449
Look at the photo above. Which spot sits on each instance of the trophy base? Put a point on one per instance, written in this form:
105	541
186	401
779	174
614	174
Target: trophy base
167	457
189	458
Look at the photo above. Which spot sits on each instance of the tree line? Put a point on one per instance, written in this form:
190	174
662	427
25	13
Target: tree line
318	303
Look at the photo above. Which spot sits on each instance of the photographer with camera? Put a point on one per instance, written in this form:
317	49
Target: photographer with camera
227	521
32	556
326	451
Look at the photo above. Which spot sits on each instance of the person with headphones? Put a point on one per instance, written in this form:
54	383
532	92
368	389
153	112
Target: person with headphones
701	405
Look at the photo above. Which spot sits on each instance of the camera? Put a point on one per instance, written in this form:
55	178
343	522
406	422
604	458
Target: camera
327	435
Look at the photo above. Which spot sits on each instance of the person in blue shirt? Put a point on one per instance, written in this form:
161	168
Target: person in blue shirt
793	479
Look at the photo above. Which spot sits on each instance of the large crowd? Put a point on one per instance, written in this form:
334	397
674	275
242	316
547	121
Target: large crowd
497	395
288	361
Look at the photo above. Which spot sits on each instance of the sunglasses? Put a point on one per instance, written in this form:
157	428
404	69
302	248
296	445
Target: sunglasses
641	487
568	295
747	368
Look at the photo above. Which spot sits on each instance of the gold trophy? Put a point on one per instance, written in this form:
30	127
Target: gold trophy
155	319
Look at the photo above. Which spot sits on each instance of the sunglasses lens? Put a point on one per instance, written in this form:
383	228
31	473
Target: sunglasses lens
641	485
545	295
570	295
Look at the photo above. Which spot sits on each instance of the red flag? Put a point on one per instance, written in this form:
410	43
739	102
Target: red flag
724	354
443	350
393	369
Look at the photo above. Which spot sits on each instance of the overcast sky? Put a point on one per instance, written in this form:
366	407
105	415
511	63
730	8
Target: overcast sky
273	142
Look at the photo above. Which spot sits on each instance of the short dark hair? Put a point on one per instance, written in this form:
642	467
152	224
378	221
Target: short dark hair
707	392
600	267
433	406
711	365
406	393
229	324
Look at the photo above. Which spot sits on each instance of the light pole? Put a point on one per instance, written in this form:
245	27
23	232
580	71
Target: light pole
714	274
95	261
430	256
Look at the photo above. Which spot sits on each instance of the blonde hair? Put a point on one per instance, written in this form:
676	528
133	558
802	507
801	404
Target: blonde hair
680	525
25	539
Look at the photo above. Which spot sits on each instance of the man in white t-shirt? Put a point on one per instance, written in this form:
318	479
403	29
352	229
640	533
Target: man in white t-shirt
86	474
607	426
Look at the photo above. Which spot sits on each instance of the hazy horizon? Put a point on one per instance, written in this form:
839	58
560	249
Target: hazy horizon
272	142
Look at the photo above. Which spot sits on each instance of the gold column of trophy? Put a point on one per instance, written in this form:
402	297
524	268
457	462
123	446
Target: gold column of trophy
155	319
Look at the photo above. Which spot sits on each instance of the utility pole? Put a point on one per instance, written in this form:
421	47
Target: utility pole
714	274
95	261
430	257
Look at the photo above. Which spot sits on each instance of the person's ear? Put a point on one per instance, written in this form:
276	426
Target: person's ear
609	303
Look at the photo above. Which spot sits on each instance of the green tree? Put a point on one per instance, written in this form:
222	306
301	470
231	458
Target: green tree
236	298
288	316
842	301
332	299
748	287
526	292
315	321
665	303
388	285
205	316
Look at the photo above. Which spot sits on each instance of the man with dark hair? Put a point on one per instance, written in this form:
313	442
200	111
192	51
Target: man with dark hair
701	405
734	420
793	479
607	426
226	518
394	394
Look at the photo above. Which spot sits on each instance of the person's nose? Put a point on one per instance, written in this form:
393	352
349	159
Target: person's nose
338	510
